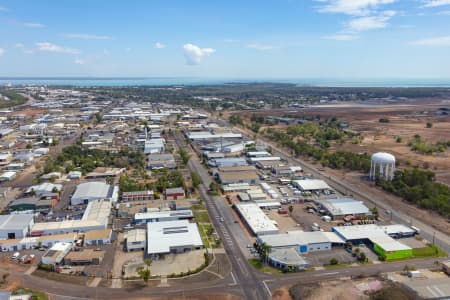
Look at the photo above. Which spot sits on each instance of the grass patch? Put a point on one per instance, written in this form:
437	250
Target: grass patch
201	217
258	265
203	233
336	266
36	295
429	251
198	207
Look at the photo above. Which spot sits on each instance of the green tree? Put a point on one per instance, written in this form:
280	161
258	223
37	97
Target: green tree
144	271
334	261
291	209
196	180
429	124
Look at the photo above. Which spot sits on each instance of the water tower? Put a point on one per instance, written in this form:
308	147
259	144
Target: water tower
382	163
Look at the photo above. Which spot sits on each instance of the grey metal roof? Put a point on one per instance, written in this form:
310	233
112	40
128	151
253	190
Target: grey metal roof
15	221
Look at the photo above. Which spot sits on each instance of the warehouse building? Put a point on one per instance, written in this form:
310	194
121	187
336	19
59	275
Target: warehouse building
138	196
377	238
341	207
84	257
56	254
162	216
172	237
96	216
98	237
135	240
256	219
250	177
287	259
160	161
94	190
311	185
303	241
32	242
176	193
44	188
228	162
15	226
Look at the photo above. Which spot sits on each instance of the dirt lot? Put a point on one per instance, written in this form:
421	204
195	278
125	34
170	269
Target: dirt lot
285	222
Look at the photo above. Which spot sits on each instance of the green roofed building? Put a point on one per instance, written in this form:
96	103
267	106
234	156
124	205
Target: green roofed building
379	238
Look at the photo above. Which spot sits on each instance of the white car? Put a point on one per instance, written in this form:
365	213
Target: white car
15	255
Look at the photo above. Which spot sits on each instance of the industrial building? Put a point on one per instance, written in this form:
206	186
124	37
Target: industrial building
176	193
135	240
228	162
302	241
15	226
250	177
94	190
98	237
172	237
56	253
311	185
32	242
96	216
138	196
341	207
376	237
84	257
256	219
161	216
287	259
160	161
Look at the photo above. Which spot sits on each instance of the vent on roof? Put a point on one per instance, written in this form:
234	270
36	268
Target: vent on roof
171	230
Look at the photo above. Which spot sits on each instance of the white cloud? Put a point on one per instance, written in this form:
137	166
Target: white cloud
2	51
440	41
371	22
49	47
436	3
20	45
84	36
159	45
32	25
444	13
128	49
342	37
353	7
261	47
80	61
194	54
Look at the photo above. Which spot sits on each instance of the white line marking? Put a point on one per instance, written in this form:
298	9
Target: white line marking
267	288
325	274
234	279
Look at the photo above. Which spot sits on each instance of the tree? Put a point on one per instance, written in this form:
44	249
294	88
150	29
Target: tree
334	261
196	180
264	251
29	146
429	124
291	209
362	257
144	271
5	277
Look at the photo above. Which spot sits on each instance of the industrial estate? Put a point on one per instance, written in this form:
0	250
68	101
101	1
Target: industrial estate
103	195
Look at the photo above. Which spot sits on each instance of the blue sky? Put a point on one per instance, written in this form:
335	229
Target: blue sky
226	39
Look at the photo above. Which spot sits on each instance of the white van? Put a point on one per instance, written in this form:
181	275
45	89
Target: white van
15	255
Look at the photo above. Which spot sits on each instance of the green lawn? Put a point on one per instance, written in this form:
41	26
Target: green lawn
201	217
429	251
337	266
257	264
203	228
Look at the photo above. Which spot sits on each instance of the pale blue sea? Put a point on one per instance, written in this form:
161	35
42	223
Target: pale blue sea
175	81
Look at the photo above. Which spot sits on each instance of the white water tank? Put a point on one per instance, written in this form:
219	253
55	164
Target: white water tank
382	164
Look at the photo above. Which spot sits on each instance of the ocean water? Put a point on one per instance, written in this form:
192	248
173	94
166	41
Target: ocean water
179	81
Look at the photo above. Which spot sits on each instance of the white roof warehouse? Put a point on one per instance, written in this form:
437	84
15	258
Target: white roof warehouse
15	226
94	190
172	237
256	219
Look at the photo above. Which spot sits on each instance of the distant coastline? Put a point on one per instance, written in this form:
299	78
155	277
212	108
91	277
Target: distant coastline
192	81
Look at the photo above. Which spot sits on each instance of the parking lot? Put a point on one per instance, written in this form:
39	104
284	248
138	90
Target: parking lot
320	258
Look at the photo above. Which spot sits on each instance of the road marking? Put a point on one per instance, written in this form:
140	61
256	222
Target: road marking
234	279
242	266
267	288
325	274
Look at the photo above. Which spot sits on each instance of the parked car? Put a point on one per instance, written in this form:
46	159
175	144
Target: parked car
15	255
